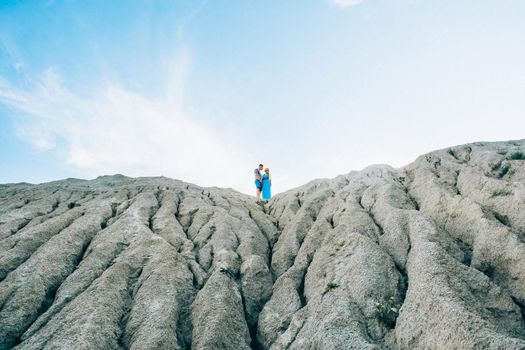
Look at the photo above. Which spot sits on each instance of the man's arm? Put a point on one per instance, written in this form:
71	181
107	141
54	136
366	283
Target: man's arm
257	176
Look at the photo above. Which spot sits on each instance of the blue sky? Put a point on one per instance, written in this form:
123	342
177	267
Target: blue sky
205	90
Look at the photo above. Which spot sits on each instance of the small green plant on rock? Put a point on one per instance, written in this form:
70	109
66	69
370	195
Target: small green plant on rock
227	271
518	155
387	311
330	286
501	192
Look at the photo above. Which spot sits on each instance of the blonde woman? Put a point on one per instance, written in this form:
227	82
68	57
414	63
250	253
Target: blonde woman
266	184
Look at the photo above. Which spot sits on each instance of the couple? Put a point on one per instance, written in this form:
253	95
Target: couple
263	182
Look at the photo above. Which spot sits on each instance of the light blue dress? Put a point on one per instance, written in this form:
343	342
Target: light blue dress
266	187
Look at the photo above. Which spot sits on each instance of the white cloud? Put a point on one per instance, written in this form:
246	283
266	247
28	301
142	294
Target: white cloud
114	130
346	3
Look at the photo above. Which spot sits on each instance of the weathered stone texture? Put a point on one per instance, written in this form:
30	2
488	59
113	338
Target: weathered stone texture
429	256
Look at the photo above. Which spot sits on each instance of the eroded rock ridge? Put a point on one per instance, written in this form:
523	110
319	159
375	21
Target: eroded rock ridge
431	255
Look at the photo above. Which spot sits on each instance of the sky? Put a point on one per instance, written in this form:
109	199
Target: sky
204	91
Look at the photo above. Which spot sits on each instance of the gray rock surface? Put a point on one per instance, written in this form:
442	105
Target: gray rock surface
429	256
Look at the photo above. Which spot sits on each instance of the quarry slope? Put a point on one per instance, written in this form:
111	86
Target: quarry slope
429	256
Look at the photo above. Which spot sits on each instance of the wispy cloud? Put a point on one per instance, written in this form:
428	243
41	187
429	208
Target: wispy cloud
11	53
112	129
346	3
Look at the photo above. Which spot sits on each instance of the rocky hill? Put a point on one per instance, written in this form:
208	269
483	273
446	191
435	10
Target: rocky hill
429	256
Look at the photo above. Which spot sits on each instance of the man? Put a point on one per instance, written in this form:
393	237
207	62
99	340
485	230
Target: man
258	180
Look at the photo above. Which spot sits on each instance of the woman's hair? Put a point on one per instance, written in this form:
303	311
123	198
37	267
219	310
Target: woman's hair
267	170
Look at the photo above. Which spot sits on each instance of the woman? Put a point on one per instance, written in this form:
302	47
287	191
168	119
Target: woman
266	184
